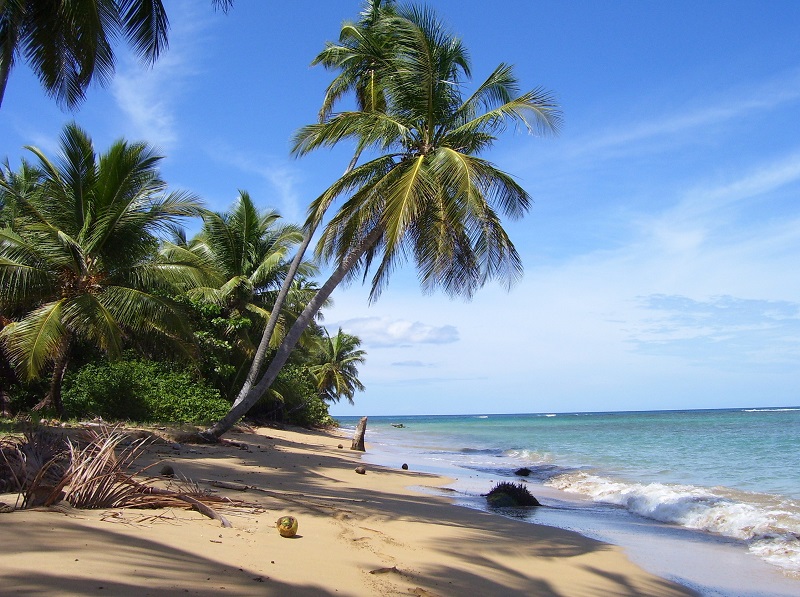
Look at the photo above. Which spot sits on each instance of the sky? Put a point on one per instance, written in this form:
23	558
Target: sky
661	251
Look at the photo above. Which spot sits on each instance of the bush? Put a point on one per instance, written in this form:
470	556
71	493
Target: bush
143	391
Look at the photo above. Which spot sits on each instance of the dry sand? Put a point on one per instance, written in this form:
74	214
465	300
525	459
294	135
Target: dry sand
370	534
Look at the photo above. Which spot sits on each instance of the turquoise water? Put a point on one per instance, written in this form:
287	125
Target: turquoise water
731	473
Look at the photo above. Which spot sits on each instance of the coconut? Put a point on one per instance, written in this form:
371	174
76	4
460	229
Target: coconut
287	526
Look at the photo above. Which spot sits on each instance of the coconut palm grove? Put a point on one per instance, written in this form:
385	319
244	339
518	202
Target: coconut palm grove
111	309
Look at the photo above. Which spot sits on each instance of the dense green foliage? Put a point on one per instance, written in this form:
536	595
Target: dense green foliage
142	391
80	260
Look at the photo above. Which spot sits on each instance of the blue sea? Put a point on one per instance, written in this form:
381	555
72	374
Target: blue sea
682	491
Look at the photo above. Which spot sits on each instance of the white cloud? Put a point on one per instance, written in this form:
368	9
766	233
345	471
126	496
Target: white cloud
147	96
279	175
377	332
733	104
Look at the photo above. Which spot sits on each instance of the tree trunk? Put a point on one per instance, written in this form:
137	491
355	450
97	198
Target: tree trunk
6	382
269	329
59	369
266	336
237	411
5	404
358	438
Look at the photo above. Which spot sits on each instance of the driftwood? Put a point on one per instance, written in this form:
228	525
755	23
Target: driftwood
358	438
196	504
283	495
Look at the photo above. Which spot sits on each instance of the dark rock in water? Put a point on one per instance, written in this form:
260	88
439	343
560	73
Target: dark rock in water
398	425
511	495
523	472
404	467
361	470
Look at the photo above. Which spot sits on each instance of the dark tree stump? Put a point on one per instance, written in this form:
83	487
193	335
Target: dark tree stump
358	438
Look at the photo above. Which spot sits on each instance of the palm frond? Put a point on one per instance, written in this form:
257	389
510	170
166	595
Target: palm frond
36	339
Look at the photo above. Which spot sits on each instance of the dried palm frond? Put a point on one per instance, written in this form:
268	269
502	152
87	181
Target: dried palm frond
96	473
97	477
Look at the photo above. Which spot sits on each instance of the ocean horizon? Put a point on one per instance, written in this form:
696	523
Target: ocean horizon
723	483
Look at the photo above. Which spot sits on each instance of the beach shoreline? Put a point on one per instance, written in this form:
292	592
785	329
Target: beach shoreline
709	563
359	534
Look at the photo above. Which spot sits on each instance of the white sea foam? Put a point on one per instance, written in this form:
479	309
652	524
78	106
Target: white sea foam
770	410
771	529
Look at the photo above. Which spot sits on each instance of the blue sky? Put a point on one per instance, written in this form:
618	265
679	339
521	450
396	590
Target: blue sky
661	253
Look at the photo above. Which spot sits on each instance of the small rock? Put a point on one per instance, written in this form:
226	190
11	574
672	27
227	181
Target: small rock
361	470
523	472
341	446
404	467
167	471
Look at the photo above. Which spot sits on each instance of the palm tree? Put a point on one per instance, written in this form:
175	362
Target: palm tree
68	43
427	194
81	262
247	252
361	56
336	373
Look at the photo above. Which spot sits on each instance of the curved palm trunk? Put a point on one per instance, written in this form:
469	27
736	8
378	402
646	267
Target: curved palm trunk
266	336
59	370
239	409
269	330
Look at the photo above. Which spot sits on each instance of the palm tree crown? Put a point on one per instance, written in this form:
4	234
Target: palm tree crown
68	43
428	194
336	373
80	259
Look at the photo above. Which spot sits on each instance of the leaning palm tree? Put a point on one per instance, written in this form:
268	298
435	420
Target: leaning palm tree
81	261
427	194
361	56
336	371
68	43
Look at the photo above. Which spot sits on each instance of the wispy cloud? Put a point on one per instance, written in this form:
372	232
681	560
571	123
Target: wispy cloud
733	104
413	364
147	96
723	331
382	332
279	175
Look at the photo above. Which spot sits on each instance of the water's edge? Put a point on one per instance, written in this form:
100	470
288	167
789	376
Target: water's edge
712	565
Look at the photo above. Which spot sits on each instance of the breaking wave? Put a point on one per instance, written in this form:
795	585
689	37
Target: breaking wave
769	525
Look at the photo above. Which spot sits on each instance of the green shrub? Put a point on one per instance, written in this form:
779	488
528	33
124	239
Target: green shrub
140	390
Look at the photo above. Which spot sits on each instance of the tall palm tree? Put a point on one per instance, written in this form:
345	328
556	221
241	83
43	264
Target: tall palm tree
68	43
336	373
81	258
361	55
427	194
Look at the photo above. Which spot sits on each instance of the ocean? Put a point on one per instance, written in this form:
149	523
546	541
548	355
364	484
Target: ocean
710	498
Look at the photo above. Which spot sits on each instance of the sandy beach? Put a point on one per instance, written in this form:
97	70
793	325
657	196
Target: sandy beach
379	533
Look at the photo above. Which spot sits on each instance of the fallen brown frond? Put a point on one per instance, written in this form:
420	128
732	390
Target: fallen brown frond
97	475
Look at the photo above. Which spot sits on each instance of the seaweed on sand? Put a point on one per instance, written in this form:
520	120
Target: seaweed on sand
510	495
